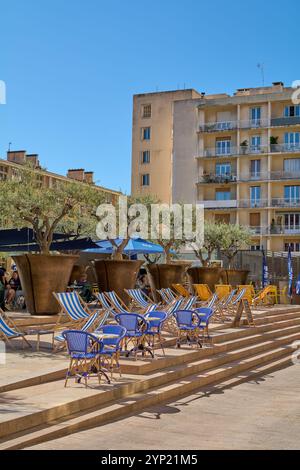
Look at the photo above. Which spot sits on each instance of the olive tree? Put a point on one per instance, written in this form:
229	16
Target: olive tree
234	238
213	240
67	206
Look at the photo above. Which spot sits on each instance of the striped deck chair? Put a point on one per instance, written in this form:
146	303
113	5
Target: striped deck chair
104	303
73	307
90	326
139	298
167	295
170	324
213	301
7	333
189	303
117	304
223	305
203	292
232	307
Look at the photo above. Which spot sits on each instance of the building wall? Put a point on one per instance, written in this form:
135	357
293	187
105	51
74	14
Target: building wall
160	144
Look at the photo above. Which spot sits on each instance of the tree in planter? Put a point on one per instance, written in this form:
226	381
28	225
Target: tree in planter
234	238
67	207
213	234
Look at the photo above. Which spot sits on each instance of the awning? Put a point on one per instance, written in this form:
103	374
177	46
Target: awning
134	246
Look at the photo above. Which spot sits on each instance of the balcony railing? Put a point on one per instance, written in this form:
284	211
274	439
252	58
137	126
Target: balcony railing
233	151
225	204
285	121
253	204
220	126
272	175
285	148
211	178
285	202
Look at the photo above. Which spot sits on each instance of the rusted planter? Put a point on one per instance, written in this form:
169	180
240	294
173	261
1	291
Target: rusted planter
235	277
204	275
162	276
117	275
41	275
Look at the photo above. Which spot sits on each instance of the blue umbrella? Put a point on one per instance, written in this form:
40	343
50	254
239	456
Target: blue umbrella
134	246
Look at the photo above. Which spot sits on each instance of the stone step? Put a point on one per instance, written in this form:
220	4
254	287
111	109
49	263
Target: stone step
224	340
229	375
40	404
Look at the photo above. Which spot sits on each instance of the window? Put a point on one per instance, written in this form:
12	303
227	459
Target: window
292	222
255	143
255	168
146	133
292	194
145	156
255	195
146	111
255	116
146	179
223	147
292	140
295	246
291	165
292	111
223	169
223	195
255	248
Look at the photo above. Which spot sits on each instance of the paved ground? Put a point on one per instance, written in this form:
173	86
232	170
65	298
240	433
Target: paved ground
264	414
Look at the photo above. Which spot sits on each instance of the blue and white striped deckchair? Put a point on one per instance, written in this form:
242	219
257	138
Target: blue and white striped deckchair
139	298
213	301
190	302
167	295
239	297
90	325
72	305
116	302
105	304
174	306
7	333
164	296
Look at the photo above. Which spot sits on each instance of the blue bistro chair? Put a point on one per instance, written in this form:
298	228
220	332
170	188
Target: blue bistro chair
136	329
111	337
204	314
84	350
188	327
155	321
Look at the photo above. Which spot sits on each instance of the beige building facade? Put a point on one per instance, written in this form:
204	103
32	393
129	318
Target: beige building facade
240	156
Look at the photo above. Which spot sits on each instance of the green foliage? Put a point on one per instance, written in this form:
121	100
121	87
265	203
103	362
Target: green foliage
234	238
66	207
229	238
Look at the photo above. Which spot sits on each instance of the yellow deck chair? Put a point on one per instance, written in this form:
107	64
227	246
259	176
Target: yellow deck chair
203	291
268	296
223	290
181	290
249	292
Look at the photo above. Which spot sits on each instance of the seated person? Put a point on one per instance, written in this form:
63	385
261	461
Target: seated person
143	284
13	288
86	291
2	287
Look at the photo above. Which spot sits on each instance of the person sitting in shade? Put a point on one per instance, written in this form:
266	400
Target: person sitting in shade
86	290
13	289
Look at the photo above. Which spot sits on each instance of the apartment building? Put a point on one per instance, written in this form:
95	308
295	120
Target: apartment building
240	156
14	159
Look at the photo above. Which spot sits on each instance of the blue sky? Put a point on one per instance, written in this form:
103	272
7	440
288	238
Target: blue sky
72	66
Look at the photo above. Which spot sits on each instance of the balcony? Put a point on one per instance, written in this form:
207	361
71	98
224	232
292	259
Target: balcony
284	202
220	126
215	152
218	179
285	148
284	175
235	151
252	204
261	176
226	204
285	121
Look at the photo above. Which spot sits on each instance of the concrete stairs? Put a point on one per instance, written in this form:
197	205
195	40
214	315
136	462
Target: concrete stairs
45	411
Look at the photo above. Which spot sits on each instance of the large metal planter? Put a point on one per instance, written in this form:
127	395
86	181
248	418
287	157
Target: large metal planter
162	276
41	275
117	275
204	275
235	277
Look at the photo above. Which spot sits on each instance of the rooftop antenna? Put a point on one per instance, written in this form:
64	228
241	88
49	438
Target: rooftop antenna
262	69
9	146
